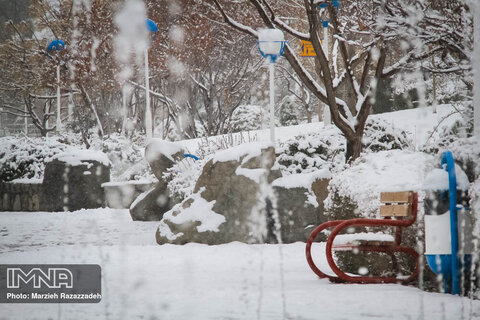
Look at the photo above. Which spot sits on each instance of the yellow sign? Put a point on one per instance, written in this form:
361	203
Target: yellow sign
307	49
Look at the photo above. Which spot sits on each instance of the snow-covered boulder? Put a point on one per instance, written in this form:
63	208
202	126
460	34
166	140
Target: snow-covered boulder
161	155
299	202
120	195
152	204
73	180
228	203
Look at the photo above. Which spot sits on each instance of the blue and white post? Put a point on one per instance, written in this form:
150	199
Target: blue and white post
152	29
54	47
271	44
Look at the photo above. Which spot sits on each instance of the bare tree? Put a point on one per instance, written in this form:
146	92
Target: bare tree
367	37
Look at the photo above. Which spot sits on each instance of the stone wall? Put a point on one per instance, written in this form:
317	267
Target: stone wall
20	196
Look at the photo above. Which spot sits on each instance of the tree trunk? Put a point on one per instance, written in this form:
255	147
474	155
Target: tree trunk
354	148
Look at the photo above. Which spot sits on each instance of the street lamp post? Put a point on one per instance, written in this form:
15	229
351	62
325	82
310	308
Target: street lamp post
152	29
271	44
54	47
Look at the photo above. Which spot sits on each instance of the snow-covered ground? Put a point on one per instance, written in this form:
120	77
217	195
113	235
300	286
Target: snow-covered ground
142	280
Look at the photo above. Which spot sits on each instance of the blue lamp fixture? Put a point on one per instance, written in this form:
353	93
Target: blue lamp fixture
56	45
152	29
151	26
271	44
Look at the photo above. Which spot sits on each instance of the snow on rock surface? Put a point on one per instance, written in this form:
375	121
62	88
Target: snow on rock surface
157	147
82	156
385	171
245	151
301	180
199	213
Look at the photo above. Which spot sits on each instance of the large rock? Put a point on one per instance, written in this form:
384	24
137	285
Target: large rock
161	155
152	204
120	195
233	184
299	203
72	181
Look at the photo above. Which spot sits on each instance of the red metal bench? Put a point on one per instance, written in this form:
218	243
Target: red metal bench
399	211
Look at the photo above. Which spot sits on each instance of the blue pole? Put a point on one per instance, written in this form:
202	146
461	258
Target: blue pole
447	158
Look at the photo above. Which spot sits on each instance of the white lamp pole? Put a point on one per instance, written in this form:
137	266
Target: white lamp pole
272	101
271	43
148	111
152	29
59	121
55	47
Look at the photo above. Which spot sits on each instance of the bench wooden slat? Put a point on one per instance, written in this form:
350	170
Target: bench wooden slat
396	197
397	210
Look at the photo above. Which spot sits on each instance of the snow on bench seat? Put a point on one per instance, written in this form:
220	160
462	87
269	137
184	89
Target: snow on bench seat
347	241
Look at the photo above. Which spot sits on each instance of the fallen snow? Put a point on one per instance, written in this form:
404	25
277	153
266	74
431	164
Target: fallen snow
126	183
343	239
437	179
142	280
200	212
301	180
82	156
27	180
252	174
246	150
157	147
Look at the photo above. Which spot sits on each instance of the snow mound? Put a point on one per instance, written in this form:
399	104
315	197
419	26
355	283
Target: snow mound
301	180
437	179
81	156
245	151
157	147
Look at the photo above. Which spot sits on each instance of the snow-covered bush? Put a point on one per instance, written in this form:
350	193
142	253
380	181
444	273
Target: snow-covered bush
182	177
288	112
126	156
380	135
355	192
25	158
466	152
372	173
311	152
248	117
460	129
